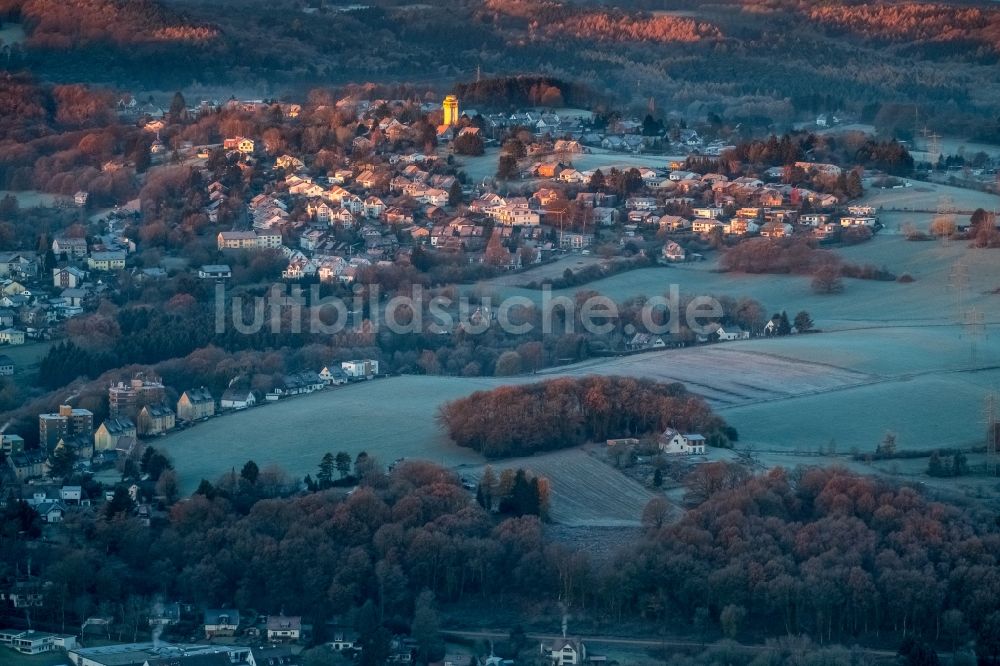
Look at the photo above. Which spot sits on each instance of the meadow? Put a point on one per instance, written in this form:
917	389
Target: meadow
906	358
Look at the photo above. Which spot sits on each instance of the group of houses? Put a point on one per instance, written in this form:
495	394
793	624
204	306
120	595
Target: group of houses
36	296
138	409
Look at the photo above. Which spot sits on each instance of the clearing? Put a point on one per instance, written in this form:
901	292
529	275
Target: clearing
586	492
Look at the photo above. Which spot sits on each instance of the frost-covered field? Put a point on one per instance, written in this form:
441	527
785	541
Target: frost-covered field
586	492
927	196
892	357
389	418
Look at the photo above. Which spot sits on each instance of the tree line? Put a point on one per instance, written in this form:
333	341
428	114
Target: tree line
816	552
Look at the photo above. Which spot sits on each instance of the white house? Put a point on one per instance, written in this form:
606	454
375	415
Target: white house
237	399
564	652
281	628
674	252
727	333
360	369
672	442
333	375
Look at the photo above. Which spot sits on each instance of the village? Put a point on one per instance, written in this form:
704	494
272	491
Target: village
396	195
400	198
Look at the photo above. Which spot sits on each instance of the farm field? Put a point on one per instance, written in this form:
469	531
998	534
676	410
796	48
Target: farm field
924	412
891	356
926	196
586	492
389	418
930	299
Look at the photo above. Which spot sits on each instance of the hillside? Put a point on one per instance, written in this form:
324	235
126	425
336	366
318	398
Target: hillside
756	64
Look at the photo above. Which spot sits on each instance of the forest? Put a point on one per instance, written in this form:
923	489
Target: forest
756	66
560	413
821	553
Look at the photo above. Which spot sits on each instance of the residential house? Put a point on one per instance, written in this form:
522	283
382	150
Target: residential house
18	264
240	144
237	240
237	399
672	442
645	341
72	248
776	230
360	369
672	251
282	628
333	375
641	203
564	652
708	212
289	163
575	240
706	226
6	365
221	622
215	272
195	404
374	207
731	332
155	420
814	219
27	464
859	221
514	217
109	434
109	260
343	639
67	278
273	655
674	223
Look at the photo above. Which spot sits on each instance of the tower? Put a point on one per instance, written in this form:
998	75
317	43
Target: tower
451	113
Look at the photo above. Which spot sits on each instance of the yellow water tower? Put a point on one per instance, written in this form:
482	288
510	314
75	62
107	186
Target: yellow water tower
451	113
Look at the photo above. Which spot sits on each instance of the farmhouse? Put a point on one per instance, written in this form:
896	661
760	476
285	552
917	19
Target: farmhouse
672	442
237	399
728	333
567	652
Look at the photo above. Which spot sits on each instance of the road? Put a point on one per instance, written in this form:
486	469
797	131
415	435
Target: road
622	641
